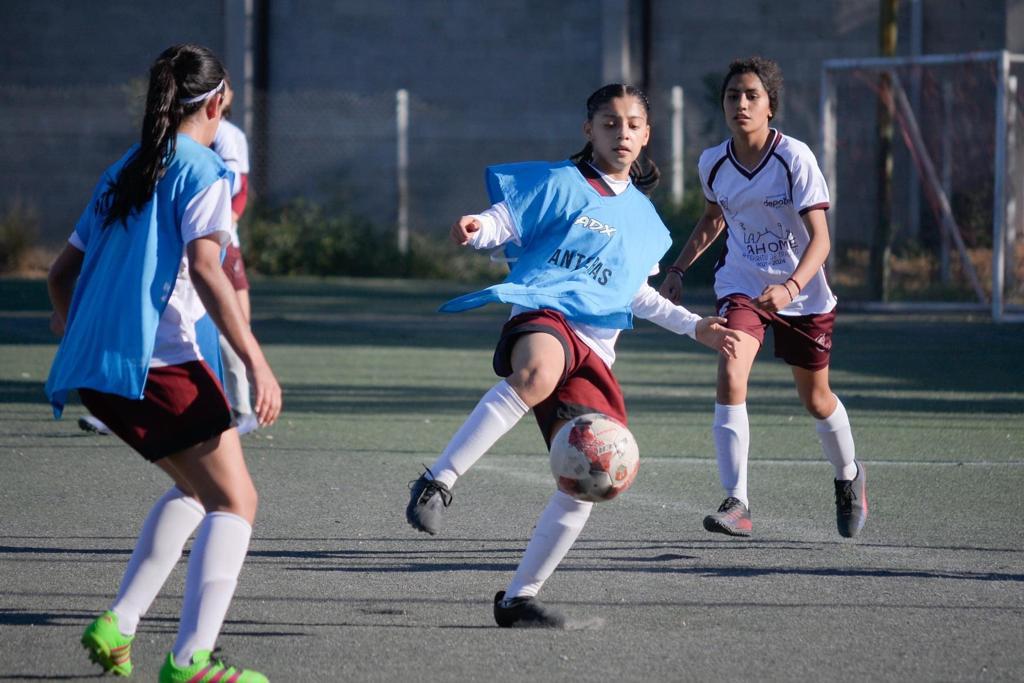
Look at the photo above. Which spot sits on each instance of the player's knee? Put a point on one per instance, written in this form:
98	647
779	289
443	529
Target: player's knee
239	498
246	503
732	387
820	404
534	383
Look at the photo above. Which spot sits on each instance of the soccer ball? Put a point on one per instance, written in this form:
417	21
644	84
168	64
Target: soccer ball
594	458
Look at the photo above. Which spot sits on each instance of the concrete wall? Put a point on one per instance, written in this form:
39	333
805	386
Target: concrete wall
489	81
71	77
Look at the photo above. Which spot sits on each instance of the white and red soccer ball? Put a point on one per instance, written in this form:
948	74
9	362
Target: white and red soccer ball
594	458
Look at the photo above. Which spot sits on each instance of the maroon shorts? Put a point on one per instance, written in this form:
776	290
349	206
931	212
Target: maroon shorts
234	266
182	405
801	340
587	386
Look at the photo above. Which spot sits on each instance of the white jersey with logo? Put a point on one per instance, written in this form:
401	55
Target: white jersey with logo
763	209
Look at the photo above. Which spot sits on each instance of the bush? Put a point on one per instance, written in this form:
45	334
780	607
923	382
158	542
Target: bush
19	229
305	238
681	220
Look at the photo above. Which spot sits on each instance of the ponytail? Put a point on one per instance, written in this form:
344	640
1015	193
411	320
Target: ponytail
645	174
179	75
584	155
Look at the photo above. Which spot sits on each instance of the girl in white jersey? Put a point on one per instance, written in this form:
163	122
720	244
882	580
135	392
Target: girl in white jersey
766	191
231	145
141	265
585	239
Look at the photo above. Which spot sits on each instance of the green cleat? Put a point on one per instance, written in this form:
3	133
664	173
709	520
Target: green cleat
107	646
205	669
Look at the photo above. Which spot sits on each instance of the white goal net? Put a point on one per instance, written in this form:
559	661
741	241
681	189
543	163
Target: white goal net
924	158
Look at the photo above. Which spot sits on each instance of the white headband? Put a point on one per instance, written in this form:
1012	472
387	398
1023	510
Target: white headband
204	96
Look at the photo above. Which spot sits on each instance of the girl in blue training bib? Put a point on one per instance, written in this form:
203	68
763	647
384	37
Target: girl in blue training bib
140	268
582	238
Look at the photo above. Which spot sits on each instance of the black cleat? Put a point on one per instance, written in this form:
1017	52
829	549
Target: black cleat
427	501
88	423
525	613
852	503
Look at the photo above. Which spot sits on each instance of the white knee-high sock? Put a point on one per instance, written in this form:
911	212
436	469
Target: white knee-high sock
168	526
495	414
837	441
557	529
217	556
731	431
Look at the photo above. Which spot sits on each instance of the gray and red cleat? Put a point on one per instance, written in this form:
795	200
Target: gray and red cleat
852	503
732	518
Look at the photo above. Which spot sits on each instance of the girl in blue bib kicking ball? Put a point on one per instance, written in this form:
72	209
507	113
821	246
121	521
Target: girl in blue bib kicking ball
141	267
582	238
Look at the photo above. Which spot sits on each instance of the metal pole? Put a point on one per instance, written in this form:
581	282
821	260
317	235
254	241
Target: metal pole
913	181
247	72
947	174
615	46
677	145
827	110
259	133
1012	171
402	124
999	192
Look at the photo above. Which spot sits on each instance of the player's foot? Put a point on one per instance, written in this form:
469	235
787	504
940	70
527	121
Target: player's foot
88	423
206	669
732	518
852	503
245	423
427	501
107	646
525	613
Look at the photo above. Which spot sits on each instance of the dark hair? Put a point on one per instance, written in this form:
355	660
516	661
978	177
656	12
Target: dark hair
180	72
765	69
644	173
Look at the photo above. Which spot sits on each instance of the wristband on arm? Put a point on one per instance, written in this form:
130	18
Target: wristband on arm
677	270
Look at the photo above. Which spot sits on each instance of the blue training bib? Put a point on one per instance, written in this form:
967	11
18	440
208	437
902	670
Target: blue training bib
582	254
127	278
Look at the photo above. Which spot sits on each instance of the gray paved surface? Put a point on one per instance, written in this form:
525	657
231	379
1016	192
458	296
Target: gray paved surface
338	588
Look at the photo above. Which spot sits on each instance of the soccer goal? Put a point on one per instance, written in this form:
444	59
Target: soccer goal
924	158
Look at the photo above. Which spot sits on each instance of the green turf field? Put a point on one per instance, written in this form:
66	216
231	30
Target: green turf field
339	588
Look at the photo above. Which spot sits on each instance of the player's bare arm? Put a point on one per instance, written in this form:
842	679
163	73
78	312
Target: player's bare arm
463	229
708	228
60	283
777	296
218	296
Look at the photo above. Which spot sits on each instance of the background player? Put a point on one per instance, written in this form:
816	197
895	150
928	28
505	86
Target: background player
766	190
230	143
582	238
141	265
